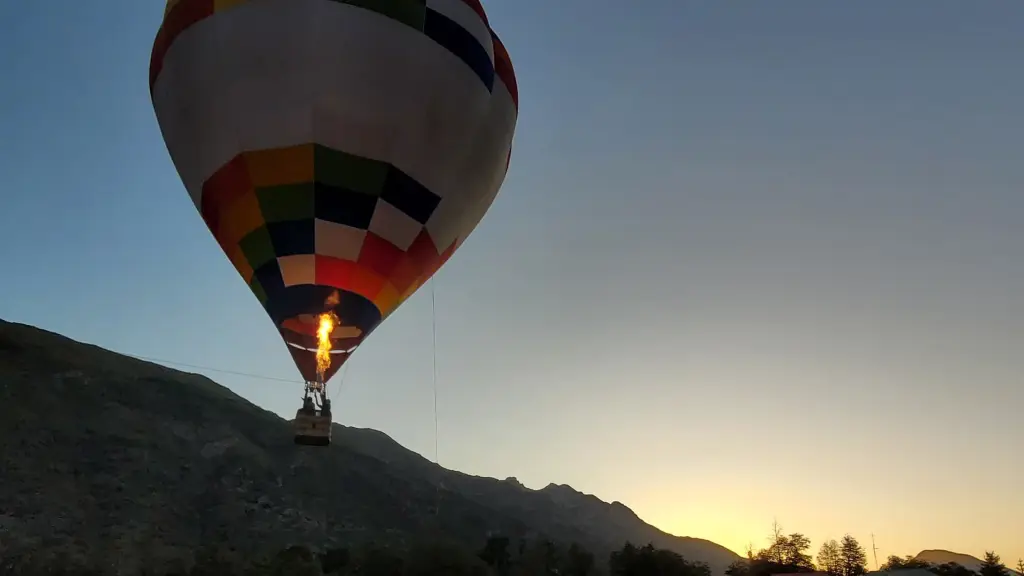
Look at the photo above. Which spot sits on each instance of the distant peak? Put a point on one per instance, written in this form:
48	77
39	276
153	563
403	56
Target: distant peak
563	488
941	552
622	508
940	556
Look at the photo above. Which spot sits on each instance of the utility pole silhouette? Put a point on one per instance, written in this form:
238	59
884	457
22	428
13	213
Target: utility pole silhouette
874	550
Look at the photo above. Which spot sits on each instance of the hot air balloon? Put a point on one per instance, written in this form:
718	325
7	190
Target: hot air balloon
339	151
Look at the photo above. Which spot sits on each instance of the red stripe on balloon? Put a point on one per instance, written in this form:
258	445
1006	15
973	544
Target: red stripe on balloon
478	8
182	15
503	68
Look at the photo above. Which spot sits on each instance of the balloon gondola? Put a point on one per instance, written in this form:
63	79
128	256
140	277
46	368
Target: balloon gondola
339	152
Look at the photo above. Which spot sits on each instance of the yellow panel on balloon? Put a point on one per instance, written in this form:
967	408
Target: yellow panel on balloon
412	288
237	257
387	300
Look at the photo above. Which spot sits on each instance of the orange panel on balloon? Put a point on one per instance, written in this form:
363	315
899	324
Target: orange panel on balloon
226	185
237	257
240	218
278	166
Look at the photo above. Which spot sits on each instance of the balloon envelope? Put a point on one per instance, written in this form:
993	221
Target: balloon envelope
339	151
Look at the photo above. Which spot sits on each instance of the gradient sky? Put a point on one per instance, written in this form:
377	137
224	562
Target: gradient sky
753	260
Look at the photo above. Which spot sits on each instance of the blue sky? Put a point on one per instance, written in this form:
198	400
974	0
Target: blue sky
751	261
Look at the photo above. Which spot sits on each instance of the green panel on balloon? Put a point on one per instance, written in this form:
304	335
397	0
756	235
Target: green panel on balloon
258	290
286	202
353	173
257	247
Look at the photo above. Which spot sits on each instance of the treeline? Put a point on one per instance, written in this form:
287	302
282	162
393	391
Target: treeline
991	565
498	556
791	553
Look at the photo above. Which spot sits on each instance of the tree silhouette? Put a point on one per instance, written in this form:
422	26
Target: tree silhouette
906	563
852	560
795	552
578	561
428	559
651	561
952	569
537	558
739	568
623	562
829	559
540	558
1020	565
495	554
777	544
992	565
784	554
549	555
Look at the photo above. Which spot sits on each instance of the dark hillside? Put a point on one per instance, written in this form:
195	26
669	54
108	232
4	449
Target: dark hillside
105	454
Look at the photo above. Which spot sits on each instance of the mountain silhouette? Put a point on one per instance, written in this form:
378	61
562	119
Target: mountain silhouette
966	560
106	455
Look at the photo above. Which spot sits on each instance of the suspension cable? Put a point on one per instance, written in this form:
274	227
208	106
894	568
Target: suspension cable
433	330
319	396
211	369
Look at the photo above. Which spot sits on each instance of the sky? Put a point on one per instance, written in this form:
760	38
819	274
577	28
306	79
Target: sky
752	261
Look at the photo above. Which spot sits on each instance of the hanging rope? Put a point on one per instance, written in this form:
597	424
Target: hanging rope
433	330
341	377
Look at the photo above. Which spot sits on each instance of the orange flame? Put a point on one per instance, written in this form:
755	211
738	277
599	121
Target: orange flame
328	321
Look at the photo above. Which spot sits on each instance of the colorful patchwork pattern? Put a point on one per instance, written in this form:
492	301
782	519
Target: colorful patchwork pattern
308	215
326	215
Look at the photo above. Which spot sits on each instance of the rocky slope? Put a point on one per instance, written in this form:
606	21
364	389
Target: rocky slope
105	454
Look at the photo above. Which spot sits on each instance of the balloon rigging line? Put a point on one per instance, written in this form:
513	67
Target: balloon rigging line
433	329
222	371
341	376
